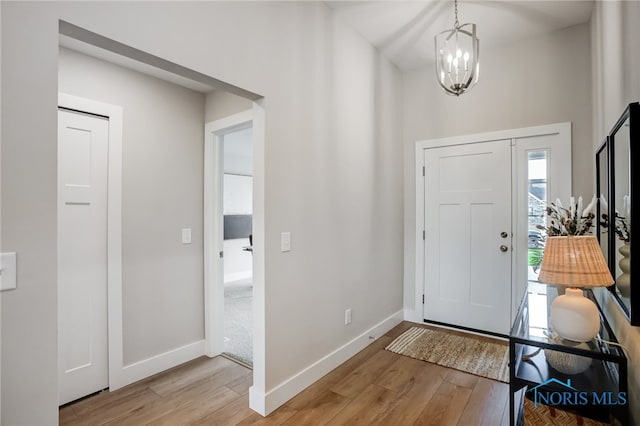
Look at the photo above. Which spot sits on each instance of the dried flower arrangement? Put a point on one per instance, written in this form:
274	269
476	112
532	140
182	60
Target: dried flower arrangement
621	225
569	221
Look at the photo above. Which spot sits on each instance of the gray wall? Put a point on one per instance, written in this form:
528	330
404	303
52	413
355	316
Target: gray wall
538	81
333	166
615	39
162	192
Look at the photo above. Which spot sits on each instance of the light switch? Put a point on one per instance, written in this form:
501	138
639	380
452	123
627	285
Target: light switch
186	236
8	274
285	241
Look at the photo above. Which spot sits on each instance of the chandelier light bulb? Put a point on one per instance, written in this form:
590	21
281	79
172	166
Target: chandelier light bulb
457	50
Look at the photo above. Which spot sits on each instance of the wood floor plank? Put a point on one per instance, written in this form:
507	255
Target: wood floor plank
242	384
120	405
197	406
355	382
279	417
328	381
67	415
231	414
188	375
205	393
461	378
486	404
446	406
400	377
324	408
362	410
407	409
104	400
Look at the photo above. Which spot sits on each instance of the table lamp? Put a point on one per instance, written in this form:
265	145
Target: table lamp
575	262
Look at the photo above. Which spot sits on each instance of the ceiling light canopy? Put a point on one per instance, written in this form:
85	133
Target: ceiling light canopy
457	49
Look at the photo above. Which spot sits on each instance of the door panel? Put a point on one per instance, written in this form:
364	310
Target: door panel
467	206
82	254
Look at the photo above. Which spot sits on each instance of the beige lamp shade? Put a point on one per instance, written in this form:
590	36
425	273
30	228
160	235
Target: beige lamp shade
574	261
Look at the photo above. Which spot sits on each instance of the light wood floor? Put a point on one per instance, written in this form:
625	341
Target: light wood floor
374	387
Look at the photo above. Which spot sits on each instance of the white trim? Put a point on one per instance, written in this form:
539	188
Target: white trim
412	316
232	123
259	281
214	286
213	267
523	132
158	363
114	227
266	404
563	129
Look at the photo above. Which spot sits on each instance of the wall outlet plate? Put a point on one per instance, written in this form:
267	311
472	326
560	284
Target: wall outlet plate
186	236
285	241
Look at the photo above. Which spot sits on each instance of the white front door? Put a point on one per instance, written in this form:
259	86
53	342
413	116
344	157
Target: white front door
82	254
467	208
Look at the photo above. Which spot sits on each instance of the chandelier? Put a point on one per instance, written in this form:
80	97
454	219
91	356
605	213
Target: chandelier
457	65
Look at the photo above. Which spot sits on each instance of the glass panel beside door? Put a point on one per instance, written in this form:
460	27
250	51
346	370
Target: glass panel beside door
536	206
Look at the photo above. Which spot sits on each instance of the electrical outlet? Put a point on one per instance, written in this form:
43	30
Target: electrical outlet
347	317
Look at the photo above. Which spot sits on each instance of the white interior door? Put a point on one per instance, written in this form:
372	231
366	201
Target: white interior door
467	276
82	254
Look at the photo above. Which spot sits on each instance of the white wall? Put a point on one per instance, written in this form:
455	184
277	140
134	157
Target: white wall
333	165
615	42
163	131
538	81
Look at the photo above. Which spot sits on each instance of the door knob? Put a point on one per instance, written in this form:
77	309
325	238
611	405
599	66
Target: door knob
504	248
504	234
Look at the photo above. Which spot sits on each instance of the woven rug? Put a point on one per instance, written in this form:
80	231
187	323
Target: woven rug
468	354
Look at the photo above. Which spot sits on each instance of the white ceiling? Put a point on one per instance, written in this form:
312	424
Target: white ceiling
403	30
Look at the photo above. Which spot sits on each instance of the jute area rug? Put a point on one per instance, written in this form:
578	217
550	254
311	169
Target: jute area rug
468	354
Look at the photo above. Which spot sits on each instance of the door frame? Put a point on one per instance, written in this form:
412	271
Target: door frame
213	230
114	113
562	153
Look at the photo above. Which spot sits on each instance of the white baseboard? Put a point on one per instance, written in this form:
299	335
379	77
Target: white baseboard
148	367
237	276
264	404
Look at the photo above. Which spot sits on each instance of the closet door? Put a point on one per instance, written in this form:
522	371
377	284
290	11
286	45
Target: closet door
82	254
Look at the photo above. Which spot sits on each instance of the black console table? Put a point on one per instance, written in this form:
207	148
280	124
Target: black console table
598	393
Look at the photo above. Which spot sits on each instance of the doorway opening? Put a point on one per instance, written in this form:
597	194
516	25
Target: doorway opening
237	209
156	170
231	237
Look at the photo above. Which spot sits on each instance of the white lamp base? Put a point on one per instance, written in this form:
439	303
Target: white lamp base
575	317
